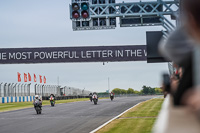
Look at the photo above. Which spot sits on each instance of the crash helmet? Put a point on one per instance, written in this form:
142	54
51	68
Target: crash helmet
36	96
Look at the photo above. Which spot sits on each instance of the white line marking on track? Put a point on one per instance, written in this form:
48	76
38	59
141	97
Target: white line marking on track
93	131
113	118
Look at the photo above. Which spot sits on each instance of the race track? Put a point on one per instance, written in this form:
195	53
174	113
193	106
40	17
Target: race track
77	117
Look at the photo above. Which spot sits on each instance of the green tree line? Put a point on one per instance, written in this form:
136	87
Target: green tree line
145	90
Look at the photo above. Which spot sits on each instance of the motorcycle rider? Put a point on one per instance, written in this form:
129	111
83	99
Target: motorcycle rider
112	95
95	96
52	98
40	101
90	96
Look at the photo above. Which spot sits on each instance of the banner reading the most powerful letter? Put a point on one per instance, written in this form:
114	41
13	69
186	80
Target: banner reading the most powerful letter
73	54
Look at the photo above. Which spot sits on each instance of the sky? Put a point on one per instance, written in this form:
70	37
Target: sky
46	23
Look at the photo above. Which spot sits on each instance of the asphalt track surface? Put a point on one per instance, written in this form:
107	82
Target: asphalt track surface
76	117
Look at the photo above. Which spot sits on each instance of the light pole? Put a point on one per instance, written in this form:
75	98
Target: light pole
4	87
18	90
8	90
35	89
24	90
15	88
42	89
21	89
0	89
108	84
12	89
29	89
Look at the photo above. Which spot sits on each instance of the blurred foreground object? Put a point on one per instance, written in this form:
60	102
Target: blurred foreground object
176	119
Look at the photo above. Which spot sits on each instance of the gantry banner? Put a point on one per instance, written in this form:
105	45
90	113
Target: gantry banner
73	54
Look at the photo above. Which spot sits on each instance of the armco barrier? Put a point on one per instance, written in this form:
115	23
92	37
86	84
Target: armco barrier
64	97
16	99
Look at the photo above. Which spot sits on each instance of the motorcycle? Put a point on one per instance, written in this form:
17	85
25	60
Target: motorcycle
38	107
52	101
95	99
111	98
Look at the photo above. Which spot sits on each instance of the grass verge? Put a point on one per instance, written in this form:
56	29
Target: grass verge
21	105
140	119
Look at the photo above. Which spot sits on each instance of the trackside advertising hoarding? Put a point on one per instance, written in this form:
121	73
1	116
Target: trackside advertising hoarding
73	54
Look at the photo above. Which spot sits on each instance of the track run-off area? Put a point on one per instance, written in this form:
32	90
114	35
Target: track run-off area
75	117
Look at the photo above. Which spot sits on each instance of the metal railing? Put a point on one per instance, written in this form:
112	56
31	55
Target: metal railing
18	89
14	89
46	90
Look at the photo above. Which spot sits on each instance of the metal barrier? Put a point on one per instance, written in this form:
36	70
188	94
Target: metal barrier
72	91
18	91
14	89
46	90
65	97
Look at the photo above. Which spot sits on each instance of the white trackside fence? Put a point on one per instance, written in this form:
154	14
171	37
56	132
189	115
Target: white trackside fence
16	92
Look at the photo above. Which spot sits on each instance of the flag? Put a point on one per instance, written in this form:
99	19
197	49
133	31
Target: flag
44	80
19	76
29	77
40	78
25	77
35	79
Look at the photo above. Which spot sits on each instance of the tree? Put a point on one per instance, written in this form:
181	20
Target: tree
158	90
130	91
138	92
123	91
145	90
117	91
152	91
